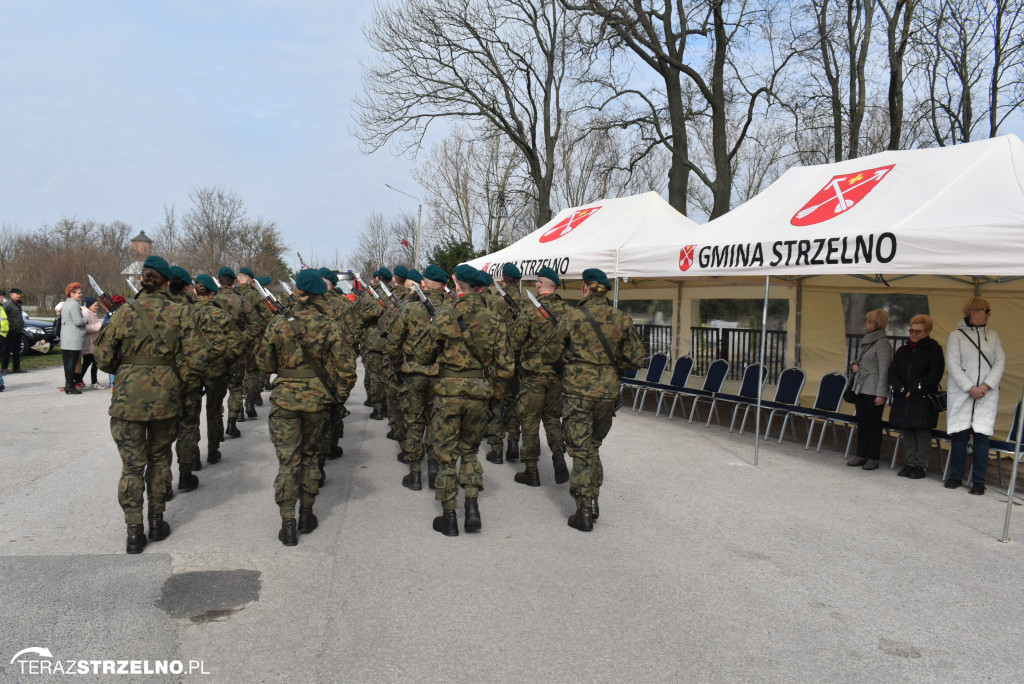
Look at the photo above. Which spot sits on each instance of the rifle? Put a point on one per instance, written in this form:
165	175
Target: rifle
369	289
433	309
302	262
291	295
451	294
267	299
513	307
544	311
390	295
135	290
108	302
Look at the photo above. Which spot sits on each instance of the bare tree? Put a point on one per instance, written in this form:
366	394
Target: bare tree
514	64
899	23
380	243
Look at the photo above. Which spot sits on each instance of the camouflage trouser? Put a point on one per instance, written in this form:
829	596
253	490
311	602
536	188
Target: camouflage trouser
394	388
415	401
455	431
374	363
235	378
540	399
501	416
252	383
297	436
334	430
586	424
188	431
145	448
216	388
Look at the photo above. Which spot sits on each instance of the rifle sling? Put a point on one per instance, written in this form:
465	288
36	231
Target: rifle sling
321	374
151	329
600	336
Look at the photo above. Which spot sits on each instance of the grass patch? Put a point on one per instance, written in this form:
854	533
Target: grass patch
34	361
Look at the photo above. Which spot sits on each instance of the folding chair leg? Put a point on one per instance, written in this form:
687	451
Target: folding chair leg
693	408
732	423
743	423
895	450
849	441
713	409
673	407
810	432
657	411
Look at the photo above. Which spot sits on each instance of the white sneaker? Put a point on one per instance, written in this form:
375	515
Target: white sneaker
96	385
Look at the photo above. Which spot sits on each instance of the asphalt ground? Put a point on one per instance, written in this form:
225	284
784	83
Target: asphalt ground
702	567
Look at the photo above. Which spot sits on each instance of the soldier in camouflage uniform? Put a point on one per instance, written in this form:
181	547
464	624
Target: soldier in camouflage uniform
186	446
390	374
373	345
596	342
145	344
470	345
221	333
249	323
540	393
417	385
501	413
301	401
252	383
341	310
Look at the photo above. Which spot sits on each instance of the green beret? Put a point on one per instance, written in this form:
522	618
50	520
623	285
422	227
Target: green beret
401	271
225	271
488	279
415	276
247	271
382	273
435	273
327	273
596	275
208	282
510	271
181	274
160	265
470	275
265	281
311	281
550	274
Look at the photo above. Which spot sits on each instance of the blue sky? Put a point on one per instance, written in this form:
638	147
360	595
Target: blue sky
112	109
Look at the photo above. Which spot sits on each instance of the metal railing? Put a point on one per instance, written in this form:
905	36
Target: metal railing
657	340
740	347
853	345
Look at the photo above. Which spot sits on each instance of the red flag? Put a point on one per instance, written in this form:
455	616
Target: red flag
405	243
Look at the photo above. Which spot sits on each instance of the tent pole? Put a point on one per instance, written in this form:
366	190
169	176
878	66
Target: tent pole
615	298
1013	476
760	385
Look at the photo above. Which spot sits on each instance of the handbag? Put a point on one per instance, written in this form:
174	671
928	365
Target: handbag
850	396
937	400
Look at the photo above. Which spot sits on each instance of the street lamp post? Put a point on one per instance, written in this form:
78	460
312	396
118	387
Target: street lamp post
419	224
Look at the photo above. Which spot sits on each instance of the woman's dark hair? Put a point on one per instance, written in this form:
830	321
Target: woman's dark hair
597	289
152	280
177	285
201	290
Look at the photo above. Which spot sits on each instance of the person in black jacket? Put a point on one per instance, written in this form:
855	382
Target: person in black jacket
915	372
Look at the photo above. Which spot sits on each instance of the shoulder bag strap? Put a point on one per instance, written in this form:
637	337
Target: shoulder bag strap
600	335
976	347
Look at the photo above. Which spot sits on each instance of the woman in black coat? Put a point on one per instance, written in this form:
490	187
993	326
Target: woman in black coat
916	372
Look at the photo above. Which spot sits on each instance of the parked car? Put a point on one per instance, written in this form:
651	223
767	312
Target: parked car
37	337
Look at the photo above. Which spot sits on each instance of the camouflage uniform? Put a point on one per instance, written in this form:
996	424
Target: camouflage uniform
463	389
301	404
372	348
252	383
417	380
390	374
147	396
338	308
502	419
219	330
251	326
187	445
590	385
540	393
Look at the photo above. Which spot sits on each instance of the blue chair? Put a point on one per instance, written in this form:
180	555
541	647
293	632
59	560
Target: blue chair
787	397
676	384
628	380
652	379
747	396
825	408
713	381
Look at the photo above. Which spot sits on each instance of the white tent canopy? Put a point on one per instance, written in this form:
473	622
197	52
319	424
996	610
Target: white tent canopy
592	236
950	210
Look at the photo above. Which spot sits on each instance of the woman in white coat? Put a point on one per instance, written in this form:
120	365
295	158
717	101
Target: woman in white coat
975	360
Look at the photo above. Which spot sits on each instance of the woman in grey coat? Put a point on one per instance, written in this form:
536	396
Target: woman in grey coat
72	334
871	385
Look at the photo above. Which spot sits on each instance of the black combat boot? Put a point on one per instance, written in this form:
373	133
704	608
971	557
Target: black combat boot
169	492
581	520
198	465
336	452
187	482
240	416
529	477
368	403
512	450
288	535
413	481
258	400
595	511
375	414
447	524
431	472
473	522
495	456
136	538
345	413
391	434
250	408
561	470
232	429
213	456
307	521
384	412
323	478
401	457
158	527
